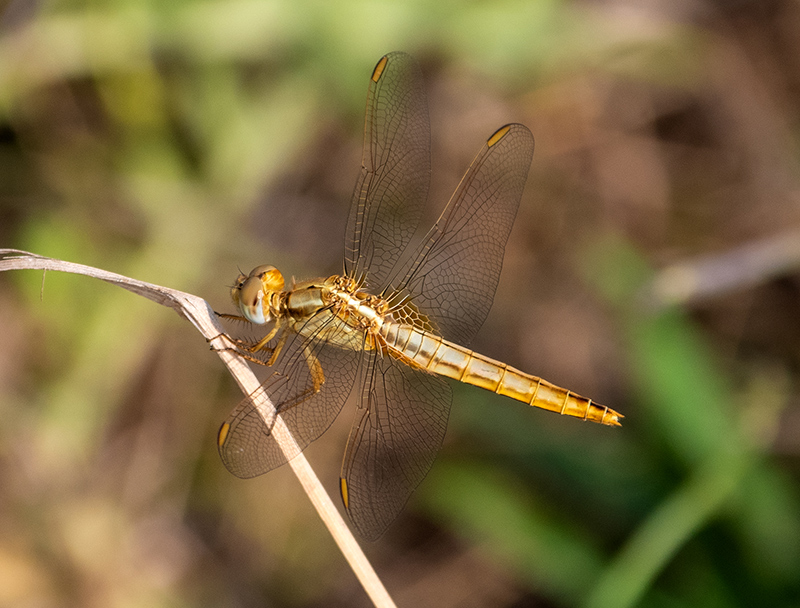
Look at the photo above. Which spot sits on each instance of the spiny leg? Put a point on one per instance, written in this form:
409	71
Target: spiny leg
228	338
246	350
278	347
317	380
241	348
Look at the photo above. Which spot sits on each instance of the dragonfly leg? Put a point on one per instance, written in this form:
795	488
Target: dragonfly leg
272	351
247	350
317	380
217	337
245	355
223	315
224	335
234	344
278	347
314	366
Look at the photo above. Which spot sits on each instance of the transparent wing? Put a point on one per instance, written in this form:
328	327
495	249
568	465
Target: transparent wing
402	415
395	171
246	444
398	429
453	275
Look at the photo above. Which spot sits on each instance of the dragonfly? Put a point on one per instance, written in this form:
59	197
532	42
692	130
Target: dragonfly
397	321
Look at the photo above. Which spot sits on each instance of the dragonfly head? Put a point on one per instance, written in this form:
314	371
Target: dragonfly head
251	293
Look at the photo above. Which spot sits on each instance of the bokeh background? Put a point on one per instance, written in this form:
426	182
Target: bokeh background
653	267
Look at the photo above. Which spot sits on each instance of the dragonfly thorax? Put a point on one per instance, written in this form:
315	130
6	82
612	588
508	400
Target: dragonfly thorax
359	308
256	295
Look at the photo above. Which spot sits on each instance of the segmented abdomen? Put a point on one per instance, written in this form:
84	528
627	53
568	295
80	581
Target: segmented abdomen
438	356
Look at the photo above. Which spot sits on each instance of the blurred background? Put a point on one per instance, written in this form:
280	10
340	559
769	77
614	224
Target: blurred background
653	267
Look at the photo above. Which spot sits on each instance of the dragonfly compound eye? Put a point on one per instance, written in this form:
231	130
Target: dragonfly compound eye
270	277
250	298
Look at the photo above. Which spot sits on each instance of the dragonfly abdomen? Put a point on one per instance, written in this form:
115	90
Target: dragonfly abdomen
436	355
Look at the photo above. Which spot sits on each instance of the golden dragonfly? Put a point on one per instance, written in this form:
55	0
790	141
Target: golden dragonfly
396	322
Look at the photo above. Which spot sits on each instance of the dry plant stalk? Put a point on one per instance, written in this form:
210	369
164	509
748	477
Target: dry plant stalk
736	268
199	313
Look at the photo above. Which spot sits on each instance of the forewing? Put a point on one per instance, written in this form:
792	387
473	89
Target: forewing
395	171
453	276
399	426
246	444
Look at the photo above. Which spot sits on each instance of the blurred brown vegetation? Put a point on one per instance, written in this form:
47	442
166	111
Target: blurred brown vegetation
653	267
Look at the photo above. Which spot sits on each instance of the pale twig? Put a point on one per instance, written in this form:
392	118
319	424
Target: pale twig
716	274
199	313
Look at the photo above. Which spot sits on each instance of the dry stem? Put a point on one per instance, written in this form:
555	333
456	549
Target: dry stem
199	313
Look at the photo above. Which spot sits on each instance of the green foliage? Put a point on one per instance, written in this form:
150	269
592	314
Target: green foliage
174	141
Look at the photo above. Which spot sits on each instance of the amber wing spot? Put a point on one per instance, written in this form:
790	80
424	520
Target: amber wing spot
223	434
498	135
376	73
343	491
